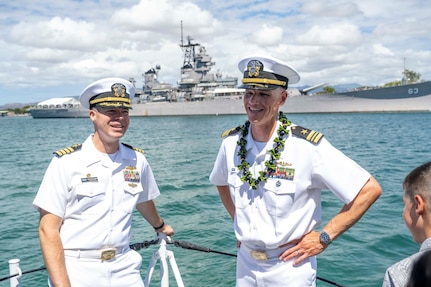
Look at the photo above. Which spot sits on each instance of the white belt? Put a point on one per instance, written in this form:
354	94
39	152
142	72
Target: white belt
104	254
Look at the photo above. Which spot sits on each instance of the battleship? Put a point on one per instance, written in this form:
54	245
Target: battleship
199	91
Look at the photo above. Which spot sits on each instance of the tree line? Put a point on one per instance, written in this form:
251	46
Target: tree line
19	111
409	77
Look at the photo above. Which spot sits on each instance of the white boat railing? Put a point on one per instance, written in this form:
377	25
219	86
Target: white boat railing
162	254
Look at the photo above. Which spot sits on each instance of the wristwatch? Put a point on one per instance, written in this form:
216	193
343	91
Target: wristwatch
324	238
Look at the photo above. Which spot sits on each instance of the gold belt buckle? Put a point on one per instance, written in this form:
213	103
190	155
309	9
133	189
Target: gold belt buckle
107	254
259	255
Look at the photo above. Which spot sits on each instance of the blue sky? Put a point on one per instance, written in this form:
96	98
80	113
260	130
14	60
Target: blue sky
56	48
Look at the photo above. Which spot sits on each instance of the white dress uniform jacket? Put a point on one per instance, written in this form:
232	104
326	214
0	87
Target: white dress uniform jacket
96	195
288	204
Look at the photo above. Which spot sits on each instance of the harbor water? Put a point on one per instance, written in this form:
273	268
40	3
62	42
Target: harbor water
181	152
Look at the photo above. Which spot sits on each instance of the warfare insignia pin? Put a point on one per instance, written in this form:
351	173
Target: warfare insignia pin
284	163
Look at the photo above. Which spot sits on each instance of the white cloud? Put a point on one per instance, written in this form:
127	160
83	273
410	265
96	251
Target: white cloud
379	49
267	34
57	33
334	34
331	9
163	17
49	44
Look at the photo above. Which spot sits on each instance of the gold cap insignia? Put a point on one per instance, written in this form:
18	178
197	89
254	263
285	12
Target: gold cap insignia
254	67
119	90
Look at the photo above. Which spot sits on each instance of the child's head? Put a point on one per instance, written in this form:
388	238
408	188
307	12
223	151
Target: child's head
417	201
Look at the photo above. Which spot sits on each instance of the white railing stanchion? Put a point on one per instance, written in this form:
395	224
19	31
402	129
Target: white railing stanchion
163	254
164	271
175	270
13	270
150	270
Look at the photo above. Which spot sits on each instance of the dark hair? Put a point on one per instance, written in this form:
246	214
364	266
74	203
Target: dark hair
421	271
418	181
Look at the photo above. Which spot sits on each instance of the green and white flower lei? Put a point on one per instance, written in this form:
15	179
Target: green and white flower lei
270	165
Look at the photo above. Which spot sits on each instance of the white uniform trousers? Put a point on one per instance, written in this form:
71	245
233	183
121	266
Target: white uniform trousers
121	271
273	272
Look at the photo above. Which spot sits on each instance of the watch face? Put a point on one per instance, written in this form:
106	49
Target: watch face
324	238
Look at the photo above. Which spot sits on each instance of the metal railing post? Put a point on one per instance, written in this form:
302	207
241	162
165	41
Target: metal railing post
163	255
13	270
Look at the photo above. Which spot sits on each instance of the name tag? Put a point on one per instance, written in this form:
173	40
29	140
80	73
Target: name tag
89	179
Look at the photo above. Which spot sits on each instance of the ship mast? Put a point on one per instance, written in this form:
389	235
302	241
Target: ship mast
189	50
195	76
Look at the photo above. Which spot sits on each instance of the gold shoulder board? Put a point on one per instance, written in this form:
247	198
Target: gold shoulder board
67	150
134	148
309	135
231	131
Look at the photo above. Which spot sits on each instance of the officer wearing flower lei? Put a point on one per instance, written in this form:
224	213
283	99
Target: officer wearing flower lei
270	174
88	195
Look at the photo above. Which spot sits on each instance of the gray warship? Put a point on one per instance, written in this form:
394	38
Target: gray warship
196	83
199	91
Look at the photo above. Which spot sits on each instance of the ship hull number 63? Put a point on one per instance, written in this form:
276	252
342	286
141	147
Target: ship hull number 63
413	91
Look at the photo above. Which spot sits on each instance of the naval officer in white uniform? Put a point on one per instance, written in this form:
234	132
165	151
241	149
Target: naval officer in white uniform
270	173
88	194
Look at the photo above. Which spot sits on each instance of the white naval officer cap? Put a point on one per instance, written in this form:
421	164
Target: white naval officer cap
108	92
266	72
